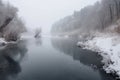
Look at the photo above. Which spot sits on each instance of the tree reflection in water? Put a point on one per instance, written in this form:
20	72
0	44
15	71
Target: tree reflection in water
10	58
38	41
86	57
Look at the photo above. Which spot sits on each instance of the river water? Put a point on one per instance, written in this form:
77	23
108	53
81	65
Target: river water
50	59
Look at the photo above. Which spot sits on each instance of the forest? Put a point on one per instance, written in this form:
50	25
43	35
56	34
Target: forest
97	17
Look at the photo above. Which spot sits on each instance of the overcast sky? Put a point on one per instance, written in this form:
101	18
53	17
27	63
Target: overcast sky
43	13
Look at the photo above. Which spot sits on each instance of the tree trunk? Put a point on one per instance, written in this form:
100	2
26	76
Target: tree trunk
7	21
111	15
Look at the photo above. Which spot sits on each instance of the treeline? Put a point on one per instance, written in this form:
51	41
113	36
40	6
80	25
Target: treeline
10	24
94	17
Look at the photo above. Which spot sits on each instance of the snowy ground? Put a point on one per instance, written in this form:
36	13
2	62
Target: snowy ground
109	48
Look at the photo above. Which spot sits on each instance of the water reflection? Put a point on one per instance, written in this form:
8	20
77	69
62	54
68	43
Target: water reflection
86	57
10	58
38	42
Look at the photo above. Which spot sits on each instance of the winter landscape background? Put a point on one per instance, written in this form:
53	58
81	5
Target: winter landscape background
64	38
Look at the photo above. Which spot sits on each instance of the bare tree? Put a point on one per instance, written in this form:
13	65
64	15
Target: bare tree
38	33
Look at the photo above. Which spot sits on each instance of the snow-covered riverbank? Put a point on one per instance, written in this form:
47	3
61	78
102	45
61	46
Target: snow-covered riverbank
109	48
3	42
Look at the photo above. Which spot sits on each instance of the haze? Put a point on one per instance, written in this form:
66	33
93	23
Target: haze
43	13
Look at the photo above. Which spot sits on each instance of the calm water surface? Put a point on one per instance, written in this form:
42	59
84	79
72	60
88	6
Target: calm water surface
49	59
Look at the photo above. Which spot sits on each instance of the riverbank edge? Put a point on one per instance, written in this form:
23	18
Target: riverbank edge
108	48
4	43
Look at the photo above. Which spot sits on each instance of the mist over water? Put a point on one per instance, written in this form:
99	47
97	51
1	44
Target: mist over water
51	39
43	13
50	59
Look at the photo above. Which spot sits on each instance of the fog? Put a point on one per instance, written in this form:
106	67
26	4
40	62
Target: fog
43	13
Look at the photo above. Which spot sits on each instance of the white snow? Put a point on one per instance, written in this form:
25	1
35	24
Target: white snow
2	40
109	48
3	43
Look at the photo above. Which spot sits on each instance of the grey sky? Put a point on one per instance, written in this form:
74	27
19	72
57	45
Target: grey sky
43	13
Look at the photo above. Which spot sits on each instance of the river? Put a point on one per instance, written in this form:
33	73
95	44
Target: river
50	59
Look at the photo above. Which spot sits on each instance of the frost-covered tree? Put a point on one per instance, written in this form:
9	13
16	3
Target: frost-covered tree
10	24
14	29
91	18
